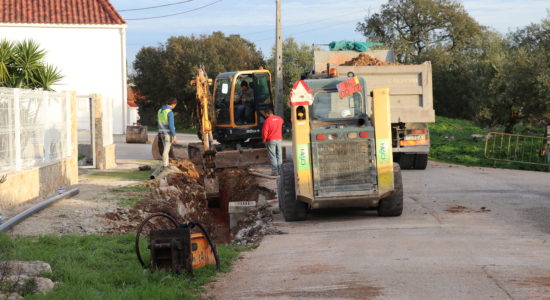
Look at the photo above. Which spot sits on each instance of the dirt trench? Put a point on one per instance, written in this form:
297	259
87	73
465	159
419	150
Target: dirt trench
179	192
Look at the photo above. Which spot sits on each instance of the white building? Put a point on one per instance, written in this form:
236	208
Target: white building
84	39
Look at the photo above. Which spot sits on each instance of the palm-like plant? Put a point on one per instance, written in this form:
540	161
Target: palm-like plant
28	60
22	66
47	76
6	61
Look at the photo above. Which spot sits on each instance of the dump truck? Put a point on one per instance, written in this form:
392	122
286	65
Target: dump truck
342	154
411	97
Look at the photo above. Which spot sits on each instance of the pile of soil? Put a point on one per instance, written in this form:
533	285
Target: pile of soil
367	60
179	192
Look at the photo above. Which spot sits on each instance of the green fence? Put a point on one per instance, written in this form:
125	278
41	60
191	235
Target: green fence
518	148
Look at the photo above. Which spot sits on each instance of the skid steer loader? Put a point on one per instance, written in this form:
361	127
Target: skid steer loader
340	157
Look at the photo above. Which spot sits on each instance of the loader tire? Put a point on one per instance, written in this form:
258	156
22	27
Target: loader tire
392	206
420	161
406	161
292	208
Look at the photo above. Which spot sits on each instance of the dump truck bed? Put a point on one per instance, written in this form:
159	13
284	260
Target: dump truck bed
410	85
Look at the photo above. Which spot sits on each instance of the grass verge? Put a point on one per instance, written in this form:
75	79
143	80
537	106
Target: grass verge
128	175
451	142
105	267
131	195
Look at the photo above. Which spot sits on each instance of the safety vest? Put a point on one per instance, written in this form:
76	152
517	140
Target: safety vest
162	117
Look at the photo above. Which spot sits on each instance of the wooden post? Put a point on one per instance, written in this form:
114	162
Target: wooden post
279	107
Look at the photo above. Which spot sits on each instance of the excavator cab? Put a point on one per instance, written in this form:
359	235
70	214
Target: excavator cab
240	101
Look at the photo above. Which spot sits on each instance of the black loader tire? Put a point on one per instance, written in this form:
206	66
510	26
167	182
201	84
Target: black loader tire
406	161
292	208
392	206
420	161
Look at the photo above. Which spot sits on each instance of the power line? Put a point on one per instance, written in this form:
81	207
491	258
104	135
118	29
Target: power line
305	23
175	14
157	6
305	31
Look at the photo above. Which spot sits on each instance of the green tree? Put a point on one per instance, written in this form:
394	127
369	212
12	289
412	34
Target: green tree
297	59
22	66
412	27
166	70
521	87
462	78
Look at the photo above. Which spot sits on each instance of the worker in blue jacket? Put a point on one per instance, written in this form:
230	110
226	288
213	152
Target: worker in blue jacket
167	129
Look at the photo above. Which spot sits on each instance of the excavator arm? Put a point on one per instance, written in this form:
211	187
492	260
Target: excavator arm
204	116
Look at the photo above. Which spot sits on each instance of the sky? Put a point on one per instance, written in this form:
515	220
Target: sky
308	21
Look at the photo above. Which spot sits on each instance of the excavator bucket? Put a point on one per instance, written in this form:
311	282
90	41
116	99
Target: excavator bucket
212	188
231	158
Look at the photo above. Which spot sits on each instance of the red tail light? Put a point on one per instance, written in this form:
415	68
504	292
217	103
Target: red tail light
321	137
364	134
419	131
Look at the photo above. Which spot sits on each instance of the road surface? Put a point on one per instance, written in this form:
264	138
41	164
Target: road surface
466	233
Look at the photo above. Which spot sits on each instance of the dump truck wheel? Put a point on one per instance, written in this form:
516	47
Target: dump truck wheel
420	161
392	206
292	208
406	161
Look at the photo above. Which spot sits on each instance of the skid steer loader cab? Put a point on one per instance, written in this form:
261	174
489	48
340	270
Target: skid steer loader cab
240	100
341	157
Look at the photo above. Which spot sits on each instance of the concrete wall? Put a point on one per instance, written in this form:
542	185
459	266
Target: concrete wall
91	57
30	184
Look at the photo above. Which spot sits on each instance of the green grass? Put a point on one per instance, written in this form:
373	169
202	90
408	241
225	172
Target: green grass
129	175
462	149
105	267
130	195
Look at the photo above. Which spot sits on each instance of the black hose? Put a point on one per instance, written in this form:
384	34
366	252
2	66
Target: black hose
140	229
210	242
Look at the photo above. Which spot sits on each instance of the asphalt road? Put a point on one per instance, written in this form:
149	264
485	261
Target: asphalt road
466	233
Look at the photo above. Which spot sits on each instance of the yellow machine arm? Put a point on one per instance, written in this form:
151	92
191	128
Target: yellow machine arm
204	116
204	98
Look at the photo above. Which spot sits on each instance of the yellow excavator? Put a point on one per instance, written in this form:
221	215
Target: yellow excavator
233	116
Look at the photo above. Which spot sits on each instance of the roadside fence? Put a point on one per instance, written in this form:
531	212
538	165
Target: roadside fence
35	128
518	148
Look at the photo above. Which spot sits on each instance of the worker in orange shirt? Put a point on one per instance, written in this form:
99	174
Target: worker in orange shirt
272	136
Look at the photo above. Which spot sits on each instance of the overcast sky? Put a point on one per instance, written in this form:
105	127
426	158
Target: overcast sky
308	21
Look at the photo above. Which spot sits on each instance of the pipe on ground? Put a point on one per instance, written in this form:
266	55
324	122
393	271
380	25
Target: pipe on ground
156	172
20	217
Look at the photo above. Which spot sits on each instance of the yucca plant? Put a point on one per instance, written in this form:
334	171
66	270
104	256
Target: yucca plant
28	60
47	76
6	61
22	66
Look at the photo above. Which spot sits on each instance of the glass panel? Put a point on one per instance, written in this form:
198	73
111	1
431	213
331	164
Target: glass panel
329	106
262	94
244	100
221	101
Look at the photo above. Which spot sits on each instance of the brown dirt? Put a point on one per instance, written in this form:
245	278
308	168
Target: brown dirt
367	60
457	209
180	193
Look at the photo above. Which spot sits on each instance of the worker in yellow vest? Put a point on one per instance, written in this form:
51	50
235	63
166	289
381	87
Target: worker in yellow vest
167	129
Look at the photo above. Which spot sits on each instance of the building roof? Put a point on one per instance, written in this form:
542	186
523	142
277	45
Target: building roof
97	12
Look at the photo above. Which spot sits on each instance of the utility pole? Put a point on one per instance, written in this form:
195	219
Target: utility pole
279	107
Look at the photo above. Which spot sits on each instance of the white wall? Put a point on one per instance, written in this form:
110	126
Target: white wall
92	59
